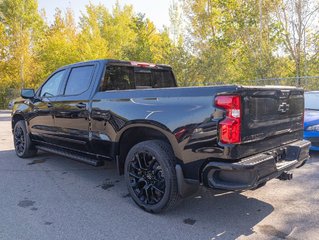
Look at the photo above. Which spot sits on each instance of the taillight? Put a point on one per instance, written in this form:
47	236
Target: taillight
230	127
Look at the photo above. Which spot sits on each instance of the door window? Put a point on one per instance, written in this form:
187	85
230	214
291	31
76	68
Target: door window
51	87
79	80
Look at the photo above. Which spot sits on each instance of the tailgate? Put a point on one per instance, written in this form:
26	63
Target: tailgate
271	113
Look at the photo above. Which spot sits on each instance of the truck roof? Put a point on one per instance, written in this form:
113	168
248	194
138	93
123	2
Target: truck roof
123	62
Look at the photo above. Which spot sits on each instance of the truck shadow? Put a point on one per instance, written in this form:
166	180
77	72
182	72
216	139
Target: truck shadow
227	215
211	214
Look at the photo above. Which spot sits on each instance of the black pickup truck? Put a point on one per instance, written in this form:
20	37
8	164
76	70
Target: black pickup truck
166	140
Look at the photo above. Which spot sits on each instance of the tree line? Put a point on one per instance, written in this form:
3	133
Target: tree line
208	41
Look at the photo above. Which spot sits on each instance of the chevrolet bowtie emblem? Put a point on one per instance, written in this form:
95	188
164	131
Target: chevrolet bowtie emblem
284	107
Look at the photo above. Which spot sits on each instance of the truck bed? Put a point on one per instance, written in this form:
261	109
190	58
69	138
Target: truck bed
192	111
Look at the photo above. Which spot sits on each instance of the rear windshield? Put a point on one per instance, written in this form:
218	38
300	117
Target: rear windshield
125	77
311	101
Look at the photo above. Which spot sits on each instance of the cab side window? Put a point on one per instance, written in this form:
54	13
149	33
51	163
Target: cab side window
79	80
118	78
51	87
128	77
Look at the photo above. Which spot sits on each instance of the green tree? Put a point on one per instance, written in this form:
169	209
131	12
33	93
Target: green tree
149	44
91	43
60	45
144	30
231	39
185	65
176	20
117	30
299	23
5	80
20	27
22	23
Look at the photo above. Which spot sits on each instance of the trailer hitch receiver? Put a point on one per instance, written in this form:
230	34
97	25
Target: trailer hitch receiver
286	176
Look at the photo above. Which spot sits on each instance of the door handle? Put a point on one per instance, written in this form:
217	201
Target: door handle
81	105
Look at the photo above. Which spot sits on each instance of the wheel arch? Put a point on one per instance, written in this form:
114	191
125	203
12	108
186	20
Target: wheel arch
16	117
139	132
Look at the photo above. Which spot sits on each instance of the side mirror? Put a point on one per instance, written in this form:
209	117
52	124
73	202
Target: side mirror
27	93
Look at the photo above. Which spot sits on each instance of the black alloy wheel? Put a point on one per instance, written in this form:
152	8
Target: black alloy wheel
147	178
19	140
23	145
151	177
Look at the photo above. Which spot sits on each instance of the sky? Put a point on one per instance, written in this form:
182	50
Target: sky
155	10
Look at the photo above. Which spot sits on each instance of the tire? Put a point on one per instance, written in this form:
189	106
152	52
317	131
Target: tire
22	142
150	176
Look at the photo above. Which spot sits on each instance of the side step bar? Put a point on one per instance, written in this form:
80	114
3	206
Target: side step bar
72	155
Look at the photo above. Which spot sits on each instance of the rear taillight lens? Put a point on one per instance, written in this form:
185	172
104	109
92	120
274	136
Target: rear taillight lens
230	127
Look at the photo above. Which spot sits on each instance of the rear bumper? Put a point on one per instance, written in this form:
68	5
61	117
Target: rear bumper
249	172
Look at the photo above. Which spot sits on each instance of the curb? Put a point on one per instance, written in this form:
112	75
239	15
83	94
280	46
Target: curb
5	111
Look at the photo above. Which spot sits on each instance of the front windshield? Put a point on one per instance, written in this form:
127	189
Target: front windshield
312	101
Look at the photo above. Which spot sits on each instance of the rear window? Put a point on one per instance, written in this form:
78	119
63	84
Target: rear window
125	77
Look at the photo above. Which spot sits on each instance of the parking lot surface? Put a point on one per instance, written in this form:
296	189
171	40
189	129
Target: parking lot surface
52	197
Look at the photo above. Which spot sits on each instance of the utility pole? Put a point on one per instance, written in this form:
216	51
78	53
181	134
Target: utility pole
298	5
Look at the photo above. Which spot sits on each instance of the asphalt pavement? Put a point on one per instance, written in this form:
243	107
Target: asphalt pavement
52	197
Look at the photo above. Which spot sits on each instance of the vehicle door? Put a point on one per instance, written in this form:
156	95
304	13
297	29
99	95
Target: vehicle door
41	119
71	109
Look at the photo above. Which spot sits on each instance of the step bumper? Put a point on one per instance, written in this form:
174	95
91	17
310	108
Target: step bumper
252	171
